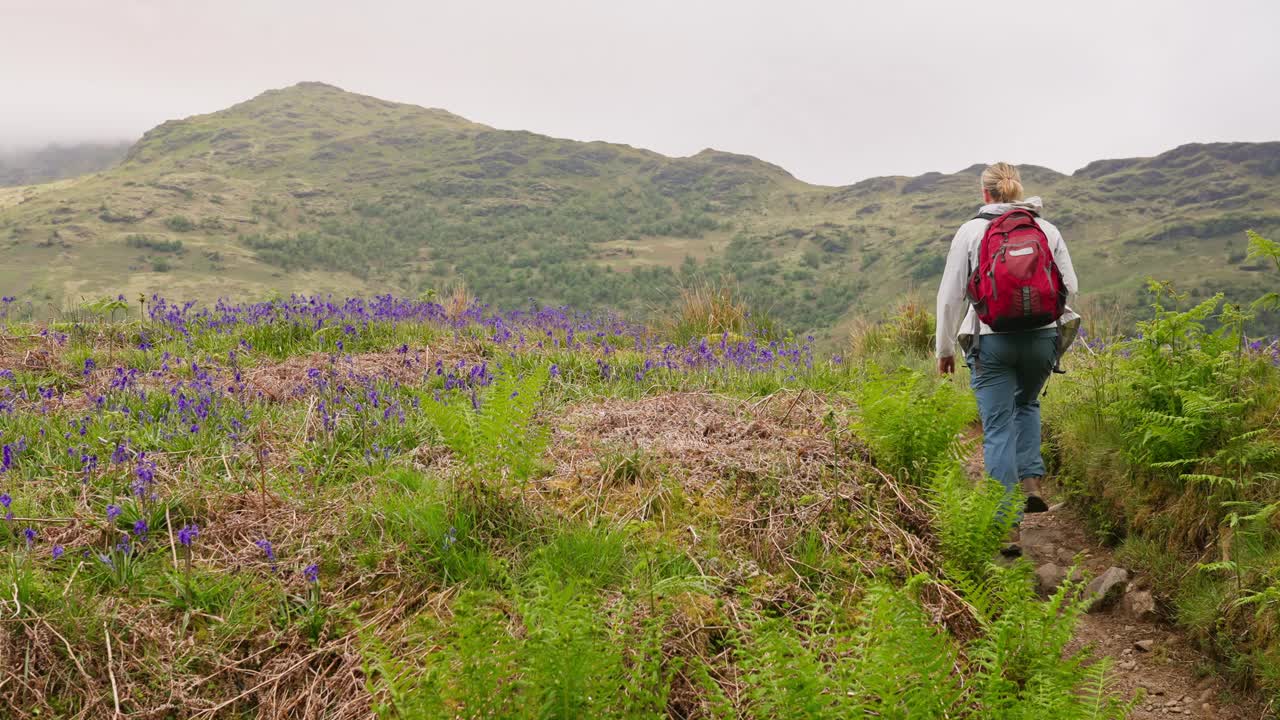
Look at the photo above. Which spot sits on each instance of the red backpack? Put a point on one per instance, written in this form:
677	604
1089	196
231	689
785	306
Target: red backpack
1017	285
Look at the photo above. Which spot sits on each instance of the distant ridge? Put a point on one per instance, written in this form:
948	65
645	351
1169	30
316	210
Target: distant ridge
311	188
58	161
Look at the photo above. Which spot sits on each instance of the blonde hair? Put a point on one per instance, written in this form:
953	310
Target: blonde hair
1002	182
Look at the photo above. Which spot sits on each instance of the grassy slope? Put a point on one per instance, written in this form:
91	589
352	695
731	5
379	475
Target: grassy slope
313	189
709	540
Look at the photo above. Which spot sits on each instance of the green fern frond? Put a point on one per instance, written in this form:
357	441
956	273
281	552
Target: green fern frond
496	431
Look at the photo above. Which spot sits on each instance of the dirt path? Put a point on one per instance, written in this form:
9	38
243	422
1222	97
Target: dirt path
1148	656
1170	671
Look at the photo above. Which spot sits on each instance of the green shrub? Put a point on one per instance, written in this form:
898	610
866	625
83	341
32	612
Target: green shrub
572	660
442	535
819	671
180	223
1024	669
891	662
1262	250
495	431
912	421
146	242
590	557
973	520
929	268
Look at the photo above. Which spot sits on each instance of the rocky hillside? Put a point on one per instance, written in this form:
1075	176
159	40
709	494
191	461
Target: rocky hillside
311	188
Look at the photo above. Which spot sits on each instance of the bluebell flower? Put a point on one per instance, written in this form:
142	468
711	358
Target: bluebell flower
311	572
113	512
188	534
265	546
57	551
30	535
144	475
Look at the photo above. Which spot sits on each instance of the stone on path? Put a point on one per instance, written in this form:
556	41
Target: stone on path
1106	588
1038	542
1145	645
1139	605
1049	577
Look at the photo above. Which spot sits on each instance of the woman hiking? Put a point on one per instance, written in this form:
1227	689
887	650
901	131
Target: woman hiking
1004	292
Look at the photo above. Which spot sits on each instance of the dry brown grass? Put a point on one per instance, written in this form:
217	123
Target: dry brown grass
457	300
291	378
759	475
710	309
274	674
33	353
910	331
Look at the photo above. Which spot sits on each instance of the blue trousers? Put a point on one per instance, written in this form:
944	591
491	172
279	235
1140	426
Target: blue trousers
1008	371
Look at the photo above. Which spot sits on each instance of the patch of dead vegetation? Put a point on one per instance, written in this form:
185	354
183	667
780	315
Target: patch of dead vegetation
47	664
289	380
274	676
763	476
295	376
752	491
31	353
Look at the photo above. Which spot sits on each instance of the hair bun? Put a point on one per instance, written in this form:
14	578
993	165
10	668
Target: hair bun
1002	182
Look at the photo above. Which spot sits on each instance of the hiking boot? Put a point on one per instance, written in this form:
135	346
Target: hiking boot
1035	496
1013	548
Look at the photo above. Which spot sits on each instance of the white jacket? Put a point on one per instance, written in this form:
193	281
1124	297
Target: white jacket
955	314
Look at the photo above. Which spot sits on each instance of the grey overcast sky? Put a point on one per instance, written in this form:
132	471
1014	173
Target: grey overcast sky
833	91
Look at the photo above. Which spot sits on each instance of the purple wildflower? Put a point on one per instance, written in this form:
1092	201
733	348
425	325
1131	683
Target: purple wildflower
30	535
113	512
188	534
312	572
140	528
57	551
265	545
144	475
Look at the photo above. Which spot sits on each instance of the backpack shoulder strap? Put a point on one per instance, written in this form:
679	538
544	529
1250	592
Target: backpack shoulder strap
995	216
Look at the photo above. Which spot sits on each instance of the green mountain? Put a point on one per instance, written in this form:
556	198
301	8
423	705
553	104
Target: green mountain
313	189
55	162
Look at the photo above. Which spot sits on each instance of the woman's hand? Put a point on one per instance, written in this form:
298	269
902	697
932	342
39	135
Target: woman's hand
947	365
